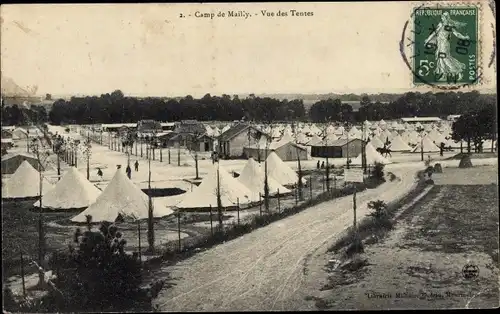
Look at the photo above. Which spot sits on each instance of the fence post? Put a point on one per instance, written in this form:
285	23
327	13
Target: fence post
161	155
211	222
135	148
169	155
238	209
296	195
179	229
310	187
334	182
260	204
22	274
139	235
324	178
179	156
141	148
279	210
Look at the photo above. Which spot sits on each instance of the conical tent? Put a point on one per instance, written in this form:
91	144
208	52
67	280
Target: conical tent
436	137
280	171
314	129
315	140
25	182
120	197
306	129
232	191
340	130
372	156
302	138
72	191
287	137
399	145
413	137
376	142
252	176
428	146
330	129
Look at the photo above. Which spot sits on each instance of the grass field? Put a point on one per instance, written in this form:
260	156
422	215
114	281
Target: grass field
420	263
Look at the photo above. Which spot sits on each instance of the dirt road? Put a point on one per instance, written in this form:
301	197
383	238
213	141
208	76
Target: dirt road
276	267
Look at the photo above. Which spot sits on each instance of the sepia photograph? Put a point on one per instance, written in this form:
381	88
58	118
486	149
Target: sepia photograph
194	157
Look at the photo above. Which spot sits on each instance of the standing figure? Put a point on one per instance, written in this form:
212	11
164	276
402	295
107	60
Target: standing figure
317	165
129	171
323	165
99	173
136	165
440	38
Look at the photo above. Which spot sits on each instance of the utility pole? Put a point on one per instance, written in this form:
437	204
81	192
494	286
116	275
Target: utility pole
88	155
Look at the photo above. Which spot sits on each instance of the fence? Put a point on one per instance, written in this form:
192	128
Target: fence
226	231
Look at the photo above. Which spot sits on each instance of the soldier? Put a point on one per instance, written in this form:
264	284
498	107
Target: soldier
99	173
136	165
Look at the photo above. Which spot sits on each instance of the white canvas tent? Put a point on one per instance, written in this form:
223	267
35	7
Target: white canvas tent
314	129
280	171
72	191
428	146
399	145
253	176
376	142
25	182
372	156
120	197
205	195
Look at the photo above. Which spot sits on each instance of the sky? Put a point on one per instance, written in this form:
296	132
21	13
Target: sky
149	50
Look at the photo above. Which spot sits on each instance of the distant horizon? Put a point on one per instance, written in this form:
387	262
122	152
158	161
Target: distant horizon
345	93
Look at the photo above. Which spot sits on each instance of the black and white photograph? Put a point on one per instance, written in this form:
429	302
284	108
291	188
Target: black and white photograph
194	157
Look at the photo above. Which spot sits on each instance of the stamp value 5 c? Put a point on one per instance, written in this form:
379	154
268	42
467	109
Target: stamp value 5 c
446	45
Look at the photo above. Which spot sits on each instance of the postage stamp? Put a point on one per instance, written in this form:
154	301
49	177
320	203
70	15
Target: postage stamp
446	45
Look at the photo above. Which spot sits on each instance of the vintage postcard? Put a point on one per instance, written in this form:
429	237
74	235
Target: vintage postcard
249	156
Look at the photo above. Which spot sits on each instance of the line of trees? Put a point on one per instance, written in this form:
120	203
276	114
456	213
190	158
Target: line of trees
116	108
474	127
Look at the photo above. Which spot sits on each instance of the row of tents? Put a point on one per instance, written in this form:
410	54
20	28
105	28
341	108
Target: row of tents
121	197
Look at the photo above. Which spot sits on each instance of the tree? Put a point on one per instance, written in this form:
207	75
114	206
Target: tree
97	274
295	132
474	127
193	148
378	171
58	150
87	151
152	143
41	153
128	136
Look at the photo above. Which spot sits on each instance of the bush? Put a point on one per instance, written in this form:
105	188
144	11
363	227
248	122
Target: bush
378	171
378	208
429	171
97	275
438	168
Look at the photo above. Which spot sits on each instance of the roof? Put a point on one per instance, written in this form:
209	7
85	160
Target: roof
23	154
236	130
118	125
191	127
421	119
148	125
340	142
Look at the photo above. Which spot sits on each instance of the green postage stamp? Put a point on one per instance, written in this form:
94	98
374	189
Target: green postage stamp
446	45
